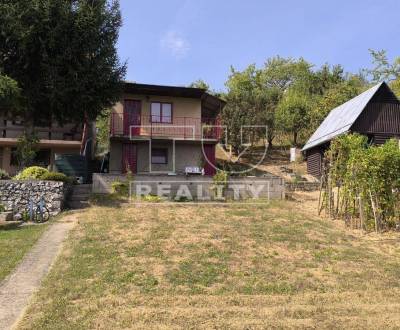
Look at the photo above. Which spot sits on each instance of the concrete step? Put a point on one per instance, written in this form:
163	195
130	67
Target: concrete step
84	188
78	204
79	197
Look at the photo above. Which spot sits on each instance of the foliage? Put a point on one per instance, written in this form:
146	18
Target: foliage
152	198
63	56
285	95
103	131
31	173
40	173
2	208
200	84
56	176
293	114
120	188
27	147
383	70
4	175
220	182
9	92
368	178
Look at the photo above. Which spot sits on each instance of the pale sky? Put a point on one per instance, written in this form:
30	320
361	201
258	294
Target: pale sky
175	42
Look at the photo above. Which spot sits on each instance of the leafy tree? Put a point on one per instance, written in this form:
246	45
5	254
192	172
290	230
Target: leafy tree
103	131
63	56
245	102
200	84
293	114
9	92
27	148
383	70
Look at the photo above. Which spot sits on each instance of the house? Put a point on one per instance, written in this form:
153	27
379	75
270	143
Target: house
374	113
164	130
55	141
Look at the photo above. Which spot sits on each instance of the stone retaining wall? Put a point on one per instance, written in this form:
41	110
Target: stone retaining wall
302	186
274	186
14	195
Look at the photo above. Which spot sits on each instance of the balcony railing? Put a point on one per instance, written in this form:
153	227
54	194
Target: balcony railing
42	133
127	125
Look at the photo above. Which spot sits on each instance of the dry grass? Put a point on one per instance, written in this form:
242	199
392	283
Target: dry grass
240	267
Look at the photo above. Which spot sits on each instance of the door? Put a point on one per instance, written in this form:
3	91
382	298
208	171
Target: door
132	113
129	157
209	155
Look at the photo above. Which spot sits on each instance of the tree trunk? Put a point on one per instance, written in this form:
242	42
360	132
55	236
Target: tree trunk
295	138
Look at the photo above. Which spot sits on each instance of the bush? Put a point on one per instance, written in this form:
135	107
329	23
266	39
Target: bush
4	175
120	188
31	173
2	208
56	176
40	173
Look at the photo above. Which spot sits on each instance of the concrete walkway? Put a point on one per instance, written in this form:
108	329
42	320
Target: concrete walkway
17	289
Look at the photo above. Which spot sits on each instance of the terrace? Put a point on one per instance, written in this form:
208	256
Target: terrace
187	128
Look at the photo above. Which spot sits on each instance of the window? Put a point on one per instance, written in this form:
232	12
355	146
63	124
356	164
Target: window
159	156
161	112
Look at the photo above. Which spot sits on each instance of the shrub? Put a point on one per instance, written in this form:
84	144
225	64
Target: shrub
56	176
2	208
4	175
31	173
120	188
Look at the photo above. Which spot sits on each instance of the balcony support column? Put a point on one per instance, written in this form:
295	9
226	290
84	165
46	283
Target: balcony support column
150	155
173	156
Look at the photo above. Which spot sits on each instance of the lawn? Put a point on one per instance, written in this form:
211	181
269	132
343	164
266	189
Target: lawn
235	267
14	244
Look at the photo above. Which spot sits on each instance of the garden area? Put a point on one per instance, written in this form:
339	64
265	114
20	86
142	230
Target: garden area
237	266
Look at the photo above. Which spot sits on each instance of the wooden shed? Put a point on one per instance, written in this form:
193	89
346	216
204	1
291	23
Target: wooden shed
374	113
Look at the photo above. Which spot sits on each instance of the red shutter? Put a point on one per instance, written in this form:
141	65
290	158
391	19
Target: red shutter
129	155
210	163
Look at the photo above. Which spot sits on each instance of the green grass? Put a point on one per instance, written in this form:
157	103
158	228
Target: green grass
14	244
242	266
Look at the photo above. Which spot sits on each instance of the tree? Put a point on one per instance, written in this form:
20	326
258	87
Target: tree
9	92
200	84
383	70
63	56
293	114
27	147
245	102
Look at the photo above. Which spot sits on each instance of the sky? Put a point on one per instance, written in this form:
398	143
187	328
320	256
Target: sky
175	42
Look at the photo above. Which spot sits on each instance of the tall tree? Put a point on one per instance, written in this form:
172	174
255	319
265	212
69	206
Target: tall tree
293	115
63	55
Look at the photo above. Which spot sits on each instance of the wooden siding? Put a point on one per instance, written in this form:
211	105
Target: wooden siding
314	161
379	118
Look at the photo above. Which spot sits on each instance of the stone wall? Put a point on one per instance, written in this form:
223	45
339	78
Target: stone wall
302	186
14	195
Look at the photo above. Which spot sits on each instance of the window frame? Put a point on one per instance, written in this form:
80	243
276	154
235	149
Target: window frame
161	121
163	150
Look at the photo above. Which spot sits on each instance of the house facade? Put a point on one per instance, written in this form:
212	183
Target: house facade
164	130
54	140
374	113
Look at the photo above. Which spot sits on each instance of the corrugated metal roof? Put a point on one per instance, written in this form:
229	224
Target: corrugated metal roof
341	118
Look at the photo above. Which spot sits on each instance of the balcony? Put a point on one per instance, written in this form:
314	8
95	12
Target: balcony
43	133
187	128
